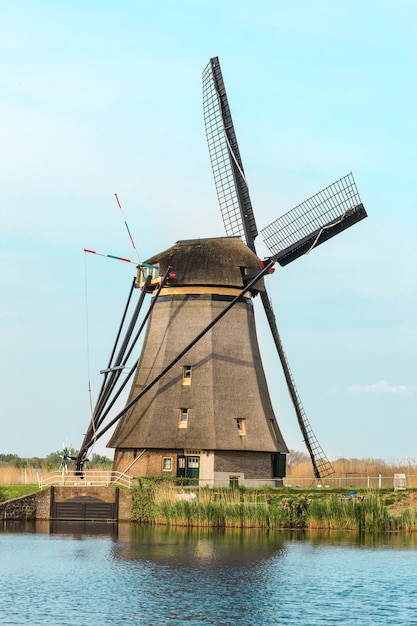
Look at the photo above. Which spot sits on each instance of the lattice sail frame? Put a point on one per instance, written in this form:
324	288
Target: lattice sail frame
337	207
229	177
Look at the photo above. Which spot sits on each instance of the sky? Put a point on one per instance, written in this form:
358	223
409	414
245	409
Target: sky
104	97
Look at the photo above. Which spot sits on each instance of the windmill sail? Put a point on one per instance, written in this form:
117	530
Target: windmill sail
314	221
236	208
229	176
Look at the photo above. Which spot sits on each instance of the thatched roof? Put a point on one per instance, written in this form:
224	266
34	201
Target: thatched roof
210	262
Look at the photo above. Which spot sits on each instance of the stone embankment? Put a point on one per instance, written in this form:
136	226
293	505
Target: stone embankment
40	505
23	508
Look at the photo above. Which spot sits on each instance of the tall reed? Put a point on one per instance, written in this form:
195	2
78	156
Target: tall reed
352	472
269	510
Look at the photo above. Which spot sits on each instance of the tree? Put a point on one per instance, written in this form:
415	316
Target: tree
54	460
295	457
100	461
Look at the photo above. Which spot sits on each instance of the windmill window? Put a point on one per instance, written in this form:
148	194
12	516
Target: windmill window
167	463
240	423
183	418
186	375
274	428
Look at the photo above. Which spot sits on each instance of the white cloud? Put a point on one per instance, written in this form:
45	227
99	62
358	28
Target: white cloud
382	387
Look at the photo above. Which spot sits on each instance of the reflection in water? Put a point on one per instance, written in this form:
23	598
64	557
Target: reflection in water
356	539
82	529
76	530
165	542
184	547
73	574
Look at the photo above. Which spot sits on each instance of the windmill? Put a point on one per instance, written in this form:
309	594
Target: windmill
199	405
66	457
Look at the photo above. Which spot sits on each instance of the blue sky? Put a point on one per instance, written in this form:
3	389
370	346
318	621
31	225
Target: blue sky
99	98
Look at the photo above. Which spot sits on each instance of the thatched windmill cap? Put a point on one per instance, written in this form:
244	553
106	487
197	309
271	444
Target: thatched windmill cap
220	261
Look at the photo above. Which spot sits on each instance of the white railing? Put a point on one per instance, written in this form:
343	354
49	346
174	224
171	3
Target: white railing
396	481
111	478
89	478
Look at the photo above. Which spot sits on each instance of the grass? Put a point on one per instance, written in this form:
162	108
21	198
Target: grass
367	511
7	492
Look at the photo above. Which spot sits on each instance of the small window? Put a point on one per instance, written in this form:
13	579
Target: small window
183	418
186	375
167	463
274	428
240	423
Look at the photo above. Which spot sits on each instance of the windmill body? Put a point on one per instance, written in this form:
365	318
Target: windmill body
210	417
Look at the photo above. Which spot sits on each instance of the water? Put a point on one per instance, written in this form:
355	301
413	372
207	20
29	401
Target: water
81	574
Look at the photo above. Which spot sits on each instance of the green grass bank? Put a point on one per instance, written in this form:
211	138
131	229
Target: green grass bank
7	492
363	511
